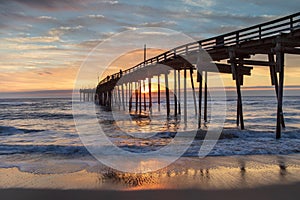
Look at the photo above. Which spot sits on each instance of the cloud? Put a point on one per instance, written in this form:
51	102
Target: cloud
39	39
88	44
63	30
95	16
162	23
47	18
44	73
50	4
199	3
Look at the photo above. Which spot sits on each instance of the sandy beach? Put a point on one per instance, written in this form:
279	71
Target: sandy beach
222	174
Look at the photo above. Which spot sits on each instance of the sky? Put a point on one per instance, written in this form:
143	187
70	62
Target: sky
44	43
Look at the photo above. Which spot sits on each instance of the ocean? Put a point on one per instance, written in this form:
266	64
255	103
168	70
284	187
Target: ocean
39	134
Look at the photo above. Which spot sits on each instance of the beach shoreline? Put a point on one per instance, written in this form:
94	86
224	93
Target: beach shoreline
210	173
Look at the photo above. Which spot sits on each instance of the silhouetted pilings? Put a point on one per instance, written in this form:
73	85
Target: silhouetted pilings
274	39
87	94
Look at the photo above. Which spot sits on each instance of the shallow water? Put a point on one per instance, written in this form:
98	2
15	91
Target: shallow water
44	128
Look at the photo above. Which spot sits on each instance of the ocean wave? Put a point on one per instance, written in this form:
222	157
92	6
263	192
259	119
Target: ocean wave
10	130
37	115
6	149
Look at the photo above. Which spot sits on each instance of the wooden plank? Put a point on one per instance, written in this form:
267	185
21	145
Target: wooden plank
288	42
290	50
253	62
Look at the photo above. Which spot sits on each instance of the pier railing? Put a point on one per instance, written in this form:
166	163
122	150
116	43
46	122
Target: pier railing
258	32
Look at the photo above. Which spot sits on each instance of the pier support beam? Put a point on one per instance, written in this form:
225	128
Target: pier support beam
158	92
126	94
167	94
280	70
193	90
109	100
238	79
136	97
205	97
179	93
130	97
185	97
123	98
140	97
175	93
150	95
144	86
200	80
119	97
274	81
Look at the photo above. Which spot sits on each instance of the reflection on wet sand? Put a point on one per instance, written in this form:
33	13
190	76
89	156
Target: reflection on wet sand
186	173
182	175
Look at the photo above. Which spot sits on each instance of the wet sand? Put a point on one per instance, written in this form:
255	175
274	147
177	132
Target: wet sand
234	177
207	174
279	192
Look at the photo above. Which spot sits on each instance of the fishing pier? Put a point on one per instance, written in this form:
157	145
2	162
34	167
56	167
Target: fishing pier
232	53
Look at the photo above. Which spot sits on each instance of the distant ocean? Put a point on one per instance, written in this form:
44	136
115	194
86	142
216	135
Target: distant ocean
38	131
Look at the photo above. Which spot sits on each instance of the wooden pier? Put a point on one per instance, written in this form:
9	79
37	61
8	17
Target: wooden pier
231	53
87	95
